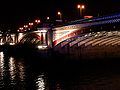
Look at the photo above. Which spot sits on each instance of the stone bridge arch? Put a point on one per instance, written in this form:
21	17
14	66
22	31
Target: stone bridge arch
34	40
103	44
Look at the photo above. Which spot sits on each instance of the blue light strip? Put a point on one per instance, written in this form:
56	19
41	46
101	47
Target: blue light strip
100	22
95	19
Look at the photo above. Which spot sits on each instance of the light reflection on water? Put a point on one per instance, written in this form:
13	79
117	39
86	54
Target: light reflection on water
14	74
11	71
1	64
16	69
40	82
18	74
1	69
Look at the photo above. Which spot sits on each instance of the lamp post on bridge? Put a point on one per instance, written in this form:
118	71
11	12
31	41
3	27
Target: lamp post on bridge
37	22
80	8
26	27
60	15
30	26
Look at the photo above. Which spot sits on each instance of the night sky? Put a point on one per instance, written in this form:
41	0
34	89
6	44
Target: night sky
13	14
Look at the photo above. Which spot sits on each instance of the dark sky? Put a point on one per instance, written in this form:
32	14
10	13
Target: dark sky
16	13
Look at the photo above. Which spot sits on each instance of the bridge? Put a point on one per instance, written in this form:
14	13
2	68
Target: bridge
89	38
98	36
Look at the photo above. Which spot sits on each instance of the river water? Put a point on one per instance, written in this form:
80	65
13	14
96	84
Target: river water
29	73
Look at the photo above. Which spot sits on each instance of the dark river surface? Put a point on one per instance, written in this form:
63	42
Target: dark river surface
34	73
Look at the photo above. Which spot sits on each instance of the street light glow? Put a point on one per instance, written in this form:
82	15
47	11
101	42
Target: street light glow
25	26
30	24
21	28
48	18
59	13
37	21
83	7
80	7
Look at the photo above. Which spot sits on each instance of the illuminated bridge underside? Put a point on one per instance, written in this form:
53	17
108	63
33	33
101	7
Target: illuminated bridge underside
31	39
92	45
